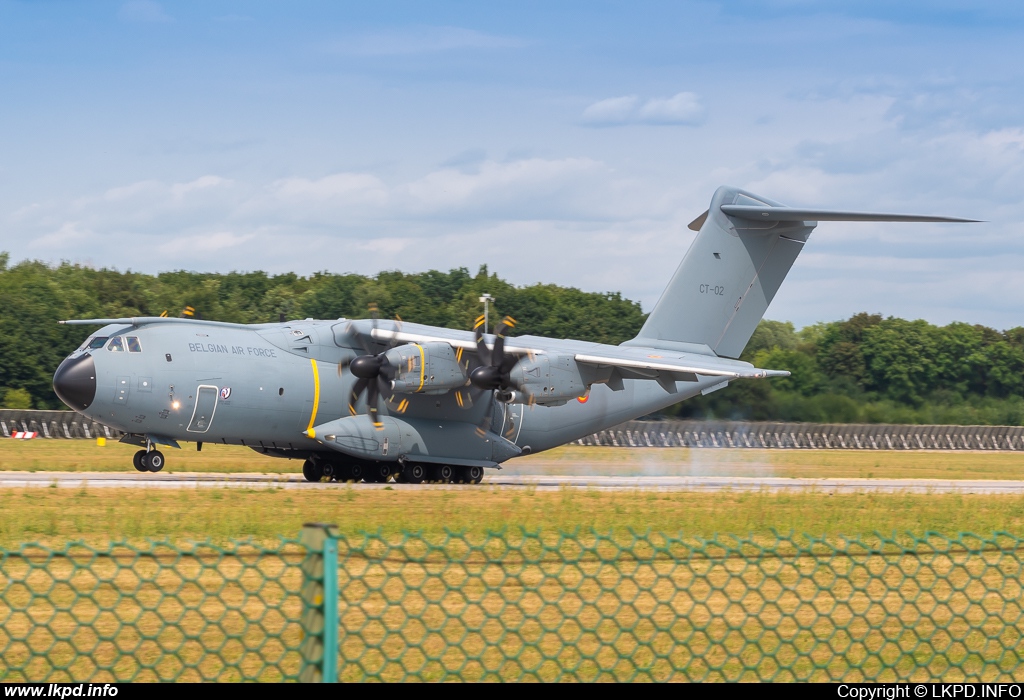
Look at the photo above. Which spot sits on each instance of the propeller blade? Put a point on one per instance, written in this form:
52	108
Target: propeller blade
397	329
464	398
398	405
357	389
350	330
485	424
507	324
482	350
498	354
507	364
372	395
375	316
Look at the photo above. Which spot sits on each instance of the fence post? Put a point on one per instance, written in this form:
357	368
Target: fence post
320	601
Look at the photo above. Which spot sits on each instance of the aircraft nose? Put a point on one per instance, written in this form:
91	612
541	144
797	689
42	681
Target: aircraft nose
75	381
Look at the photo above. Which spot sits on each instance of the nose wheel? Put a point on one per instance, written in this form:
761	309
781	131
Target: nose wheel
152	461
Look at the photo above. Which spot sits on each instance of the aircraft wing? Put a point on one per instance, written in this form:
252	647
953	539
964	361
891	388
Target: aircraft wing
643	363
629	362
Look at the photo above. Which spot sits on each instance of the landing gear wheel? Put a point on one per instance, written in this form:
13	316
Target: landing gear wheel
349	472
137	460
473	475
311	471
414	473
154	460
441	473
329	469
379	473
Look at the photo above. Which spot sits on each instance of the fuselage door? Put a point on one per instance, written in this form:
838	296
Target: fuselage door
511	423
206	405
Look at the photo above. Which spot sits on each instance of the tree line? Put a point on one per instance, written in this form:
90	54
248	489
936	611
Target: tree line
36	295
869	369
863	369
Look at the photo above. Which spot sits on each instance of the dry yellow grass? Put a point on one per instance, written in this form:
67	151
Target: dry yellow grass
952	615
99	515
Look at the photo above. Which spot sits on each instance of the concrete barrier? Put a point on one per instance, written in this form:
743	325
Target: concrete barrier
54	424
670	433
817	436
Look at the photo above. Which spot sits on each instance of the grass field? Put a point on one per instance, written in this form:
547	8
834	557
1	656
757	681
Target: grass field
99	515
57	515
836	616
85	455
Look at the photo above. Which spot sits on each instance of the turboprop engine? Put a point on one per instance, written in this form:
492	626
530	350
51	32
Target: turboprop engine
549	380
416	440
430	368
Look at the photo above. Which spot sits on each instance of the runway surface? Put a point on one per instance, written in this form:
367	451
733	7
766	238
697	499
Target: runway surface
184	480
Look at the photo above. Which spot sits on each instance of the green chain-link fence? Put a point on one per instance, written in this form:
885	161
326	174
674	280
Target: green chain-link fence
518	605
152	611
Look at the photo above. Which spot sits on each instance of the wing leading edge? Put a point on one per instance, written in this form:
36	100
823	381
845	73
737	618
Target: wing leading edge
681	367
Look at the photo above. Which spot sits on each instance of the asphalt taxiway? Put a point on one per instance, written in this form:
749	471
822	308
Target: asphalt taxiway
186	480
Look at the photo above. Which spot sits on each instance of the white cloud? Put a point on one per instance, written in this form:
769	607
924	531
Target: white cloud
143	11
681	108
614	110
345	188
542	217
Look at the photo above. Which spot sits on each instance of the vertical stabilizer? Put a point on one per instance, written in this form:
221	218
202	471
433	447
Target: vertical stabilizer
727	278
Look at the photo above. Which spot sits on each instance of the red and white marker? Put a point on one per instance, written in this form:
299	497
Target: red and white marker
20	435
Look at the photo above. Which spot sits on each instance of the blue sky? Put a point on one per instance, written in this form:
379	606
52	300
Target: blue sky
555	142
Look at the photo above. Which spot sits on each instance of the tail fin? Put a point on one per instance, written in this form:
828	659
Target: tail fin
745	246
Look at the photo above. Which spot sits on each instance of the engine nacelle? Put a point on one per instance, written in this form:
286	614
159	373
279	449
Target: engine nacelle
549	379
430	368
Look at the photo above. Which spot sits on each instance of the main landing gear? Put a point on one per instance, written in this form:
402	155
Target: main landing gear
152	461
316	470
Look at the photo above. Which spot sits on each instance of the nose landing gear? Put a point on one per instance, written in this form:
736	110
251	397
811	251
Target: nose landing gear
152	461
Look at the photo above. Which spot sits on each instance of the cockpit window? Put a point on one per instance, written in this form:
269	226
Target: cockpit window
115	344
97	343
133	344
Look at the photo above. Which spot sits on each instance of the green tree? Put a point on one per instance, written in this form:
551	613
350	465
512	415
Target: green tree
17	399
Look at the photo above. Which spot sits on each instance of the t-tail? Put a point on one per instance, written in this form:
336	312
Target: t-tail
744	248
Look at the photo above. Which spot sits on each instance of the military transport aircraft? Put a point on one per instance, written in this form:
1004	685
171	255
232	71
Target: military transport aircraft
372	399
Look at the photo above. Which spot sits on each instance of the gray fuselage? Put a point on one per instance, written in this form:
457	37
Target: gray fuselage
266	386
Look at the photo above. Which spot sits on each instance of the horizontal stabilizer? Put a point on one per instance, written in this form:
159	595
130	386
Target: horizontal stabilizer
766	213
